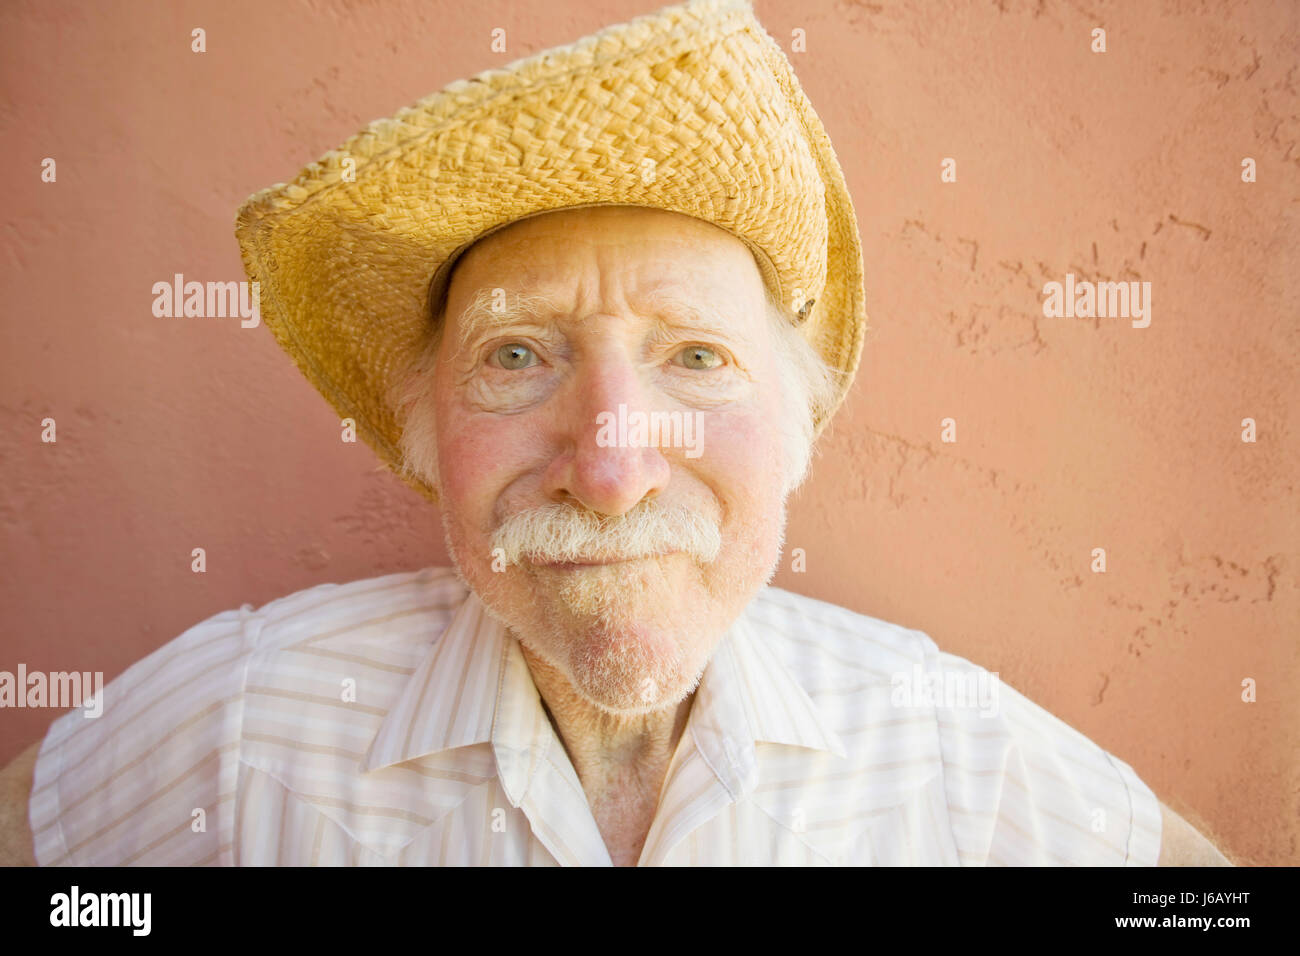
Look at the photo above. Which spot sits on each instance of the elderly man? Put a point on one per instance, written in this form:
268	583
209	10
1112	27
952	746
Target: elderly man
605	677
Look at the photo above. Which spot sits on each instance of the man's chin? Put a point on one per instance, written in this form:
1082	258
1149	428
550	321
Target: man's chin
625	636
628	668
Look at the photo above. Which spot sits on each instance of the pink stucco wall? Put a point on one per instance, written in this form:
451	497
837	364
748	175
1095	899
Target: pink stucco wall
1072	434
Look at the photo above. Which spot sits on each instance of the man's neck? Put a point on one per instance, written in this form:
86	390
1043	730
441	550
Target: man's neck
621	761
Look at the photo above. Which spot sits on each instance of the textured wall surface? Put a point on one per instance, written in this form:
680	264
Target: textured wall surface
1071	433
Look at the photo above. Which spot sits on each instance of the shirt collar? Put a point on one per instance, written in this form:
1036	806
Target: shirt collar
450	699
746	697
473	687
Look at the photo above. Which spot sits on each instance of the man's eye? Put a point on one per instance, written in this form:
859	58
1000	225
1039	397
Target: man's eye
514	356
699	357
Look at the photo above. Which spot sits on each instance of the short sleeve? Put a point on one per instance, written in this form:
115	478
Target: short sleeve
152	779
1026	789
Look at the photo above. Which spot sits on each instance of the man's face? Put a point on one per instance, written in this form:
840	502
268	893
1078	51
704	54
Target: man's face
647	552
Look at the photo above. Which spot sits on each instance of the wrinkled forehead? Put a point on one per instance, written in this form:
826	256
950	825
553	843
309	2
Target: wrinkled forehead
652	251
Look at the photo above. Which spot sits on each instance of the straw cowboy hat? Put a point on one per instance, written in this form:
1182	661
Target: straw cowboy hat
693	109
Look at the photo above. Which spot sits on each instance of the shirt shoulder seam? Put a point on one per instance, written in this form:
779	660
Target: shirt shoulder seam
931	650
246	614
1128	796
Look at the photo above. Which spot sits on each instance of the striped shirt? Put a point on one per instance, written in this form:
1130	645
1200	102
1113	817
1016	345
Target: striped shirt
391	721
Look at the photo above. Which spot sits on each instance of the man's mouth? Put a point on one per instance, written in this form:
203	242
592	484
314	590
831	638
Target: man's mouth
596	562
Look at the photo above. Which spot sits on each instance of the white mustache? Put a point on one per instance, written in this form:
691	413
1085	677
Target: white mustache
561	532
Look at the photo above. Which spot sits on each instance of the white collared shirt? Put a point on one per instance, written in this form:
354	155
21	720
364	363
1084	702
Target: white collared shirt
391	721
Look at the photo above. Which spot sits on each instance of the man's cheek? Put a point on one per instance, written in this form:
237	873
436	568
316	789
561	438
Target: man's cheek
468	458
740	446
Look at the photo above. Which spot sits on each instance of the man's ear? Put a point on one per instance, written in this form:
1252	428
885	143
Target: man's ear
1181	844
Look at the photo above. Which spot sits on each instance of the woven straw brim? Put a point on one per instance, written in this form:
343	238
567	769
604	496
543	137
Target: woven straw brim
346	254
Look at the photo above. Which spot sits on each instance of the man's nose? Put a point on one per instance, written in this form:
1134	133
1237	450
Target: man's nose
604	466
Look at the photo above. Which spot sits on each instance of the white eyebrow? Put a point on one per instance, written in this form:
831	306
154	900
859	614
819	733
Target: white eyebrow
676	305
487	311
